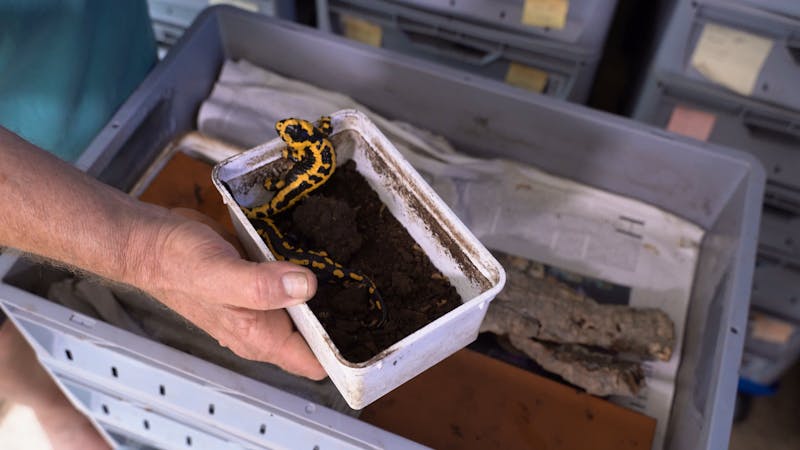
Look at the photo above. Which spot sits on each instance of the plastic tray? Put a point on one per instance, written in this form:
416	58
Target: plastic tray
477	49
456	253
769	357
777	81
717	188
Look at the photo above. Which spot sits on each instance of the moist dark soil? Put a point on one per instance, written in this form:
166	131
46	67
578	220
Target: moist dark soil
346	218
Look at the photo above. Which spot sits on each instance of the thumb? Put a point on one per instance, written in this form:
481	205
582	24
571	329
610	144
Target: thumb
260	286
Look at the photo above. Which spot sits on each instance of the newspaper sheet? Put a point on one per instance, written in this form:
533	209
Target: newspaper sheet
648	255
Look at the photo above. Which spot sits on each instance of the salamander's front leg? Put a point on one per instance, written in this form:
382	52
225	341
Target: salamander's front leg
324	125
271	185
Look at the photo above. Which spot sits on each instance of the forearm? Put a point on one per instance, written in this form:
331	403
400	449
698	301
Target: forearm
51	209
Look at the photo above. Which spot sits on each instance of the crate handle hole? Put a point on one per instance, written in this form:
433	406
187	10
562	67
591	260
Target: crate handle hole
263	429
69	354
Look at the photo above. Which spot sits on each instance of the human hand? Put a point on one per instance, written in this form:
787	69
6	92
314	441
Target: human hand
192	269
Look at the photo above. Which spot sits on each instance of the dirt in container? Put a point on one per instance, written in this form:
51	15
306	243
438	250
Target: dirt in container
346	218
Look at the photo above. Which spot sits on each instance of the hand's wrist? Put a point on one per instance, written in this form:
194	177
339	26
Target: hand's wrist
145	235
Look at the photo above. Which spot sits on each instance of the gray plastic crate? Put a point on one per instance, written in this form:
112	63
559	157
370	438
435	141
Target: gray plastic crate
770	133
587	21
472	47
717	188
777	82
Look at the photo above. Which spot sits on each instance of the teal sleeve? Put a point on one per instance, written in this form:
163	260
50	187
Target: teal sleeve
67	65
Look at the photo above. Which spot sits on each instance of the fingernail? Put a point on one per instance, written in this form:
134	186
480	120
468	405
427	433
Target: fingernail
295	284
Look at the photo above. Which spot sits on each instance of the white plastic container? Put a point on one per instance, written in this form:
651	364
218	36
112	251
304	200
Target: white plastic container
452	248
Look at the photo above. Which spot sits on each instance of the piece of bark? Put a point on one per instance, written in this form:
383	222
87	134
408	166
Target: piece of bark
547	310
598	373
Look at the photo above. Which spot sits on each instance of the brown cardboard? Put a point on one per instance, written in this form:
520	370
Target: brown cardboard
471	401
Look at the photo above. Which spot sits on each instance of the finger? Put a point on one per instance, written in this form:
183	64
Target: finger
268	336
296	357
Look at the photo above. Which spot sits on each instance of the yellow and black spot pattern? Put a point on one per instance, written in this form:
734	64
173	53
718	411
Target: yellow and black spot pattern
308	146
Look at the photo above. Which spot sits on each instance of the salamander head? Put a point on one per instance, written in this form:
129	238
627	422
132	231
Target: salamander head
294	130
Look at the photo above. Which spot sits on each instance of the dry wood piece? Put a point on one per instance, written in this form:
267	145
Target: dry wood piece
547	310
597	373
573	336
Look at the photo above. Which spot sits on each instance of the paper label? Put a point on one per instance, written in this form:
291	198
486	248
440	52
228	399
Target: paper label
362	31
545	13
730	57
770	329
526	77
691	122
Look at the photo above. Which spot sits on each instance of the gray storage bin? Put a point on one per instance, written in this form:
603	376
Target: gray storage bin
587	21
770	133
777	81
472	47
717	188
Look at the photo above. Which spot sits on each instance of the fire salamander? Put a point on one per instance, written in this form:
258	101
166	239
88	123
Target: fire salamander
314	158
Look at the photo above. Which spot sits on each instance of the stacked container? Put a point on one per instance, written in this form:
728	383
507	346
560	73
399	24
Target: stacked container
550	49
730	71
